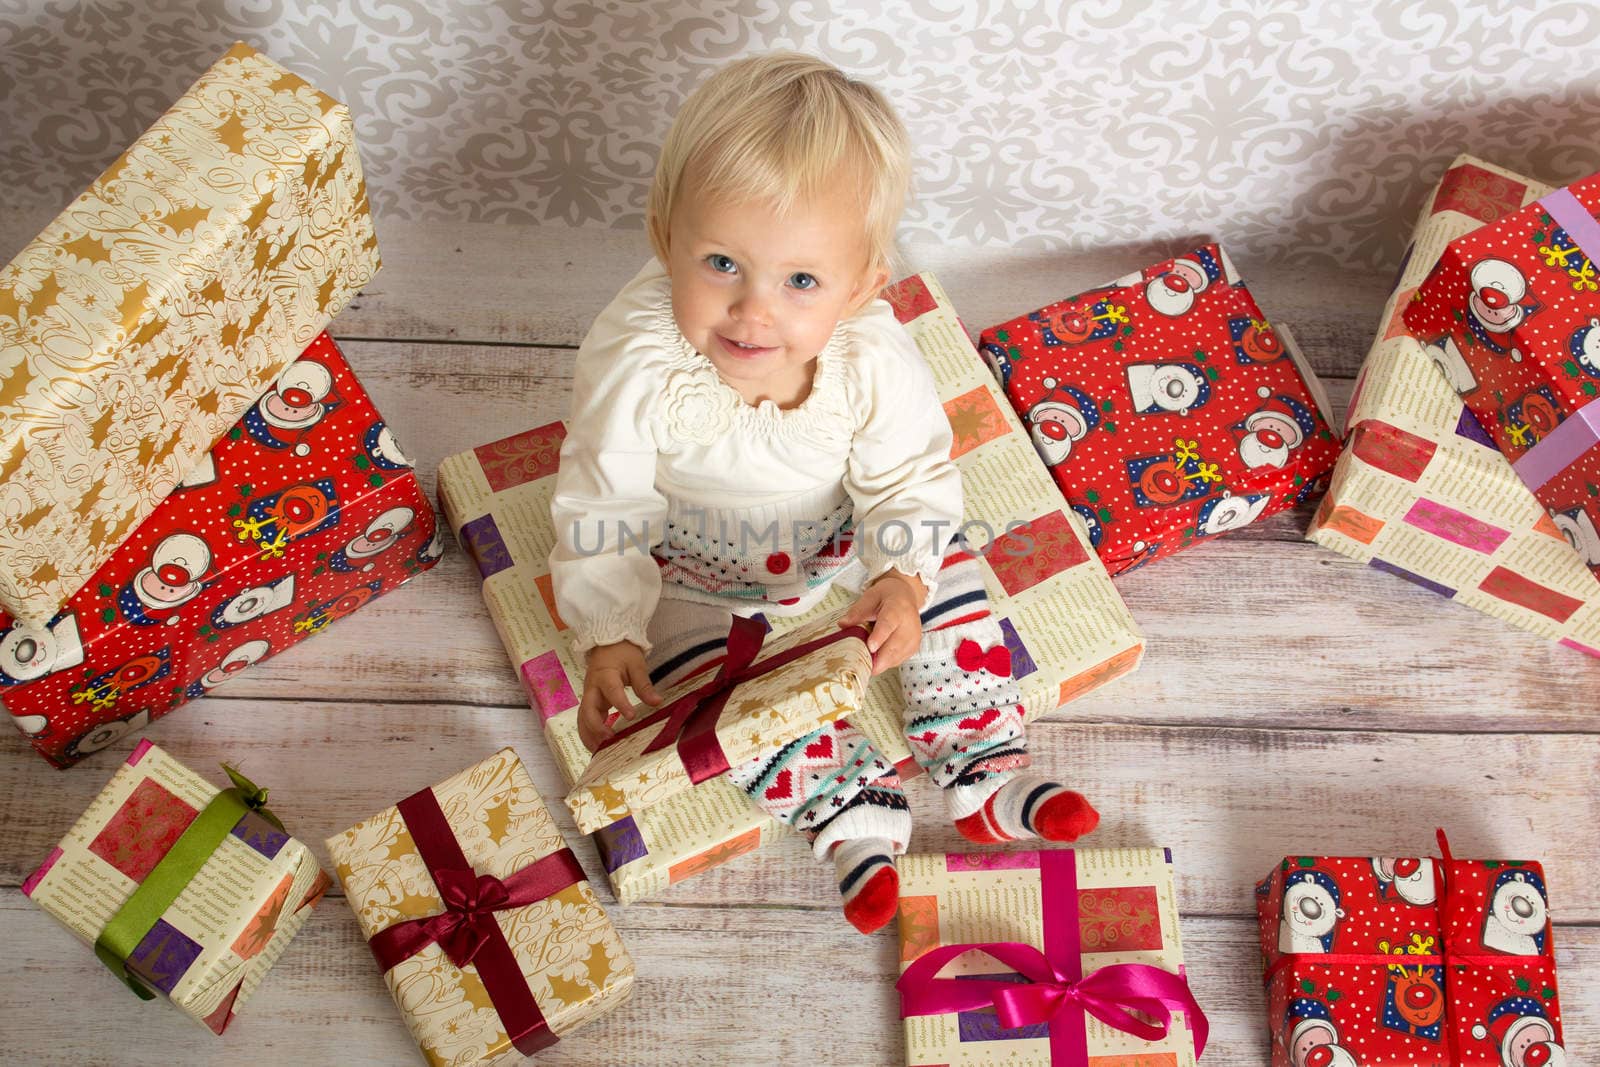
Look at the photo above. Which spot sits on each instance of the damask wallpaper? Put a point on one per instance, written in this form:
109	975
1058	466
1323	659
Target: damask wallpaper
1294	130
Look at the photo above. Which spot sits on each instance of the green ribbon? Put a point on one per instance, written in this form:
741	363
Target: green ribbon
172	875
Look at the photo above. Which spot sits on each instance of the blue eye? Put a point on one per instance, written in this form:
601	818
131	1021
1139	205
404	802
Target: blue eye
721	263
801	280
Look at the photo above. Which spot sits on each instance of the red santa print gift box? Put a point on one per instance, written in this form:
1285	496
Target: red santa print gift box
1166	406
1405	962
1512	314
302	513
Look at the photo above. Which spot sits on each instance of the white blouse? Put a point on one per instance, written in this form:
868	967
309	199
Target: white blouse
657	438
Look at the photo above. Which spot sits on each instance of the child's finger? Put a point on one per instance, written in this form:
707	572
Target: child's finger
639	681
610	683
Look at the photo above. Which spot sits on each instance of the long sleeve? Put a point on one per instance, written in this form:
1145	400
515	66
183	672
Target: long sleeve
899	472
607	511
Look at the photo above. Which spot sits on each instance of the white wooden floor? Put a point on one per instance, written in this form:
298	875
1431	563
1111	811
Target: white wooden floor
1290	701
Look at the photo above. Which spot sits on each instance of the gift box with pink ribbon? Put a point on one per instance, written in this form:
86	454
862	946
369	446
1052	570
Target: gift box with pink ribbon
480	917
1051	958
1390	962
766	693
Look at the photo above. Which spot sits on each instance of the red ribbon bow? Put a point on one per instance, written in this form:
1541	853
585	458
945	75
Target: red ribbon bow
971	656
471	900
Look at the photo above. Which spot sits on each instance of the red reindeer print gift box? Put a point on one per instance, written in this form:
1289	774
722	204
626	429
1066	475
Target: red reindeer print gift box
1512	312
1166	407
303	512
1409	962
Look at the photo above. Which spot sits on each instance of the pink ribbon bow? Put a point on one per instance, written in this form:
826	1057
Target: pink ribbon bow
971	656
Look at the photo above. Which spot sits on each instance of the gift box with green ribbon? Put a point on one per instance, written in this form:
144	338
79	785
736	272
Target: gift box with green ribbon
183	889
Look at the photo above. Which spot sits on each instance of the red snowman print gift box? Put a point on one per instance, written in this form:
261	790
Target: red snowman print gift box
1409	962
1512	316
303	512
1166	407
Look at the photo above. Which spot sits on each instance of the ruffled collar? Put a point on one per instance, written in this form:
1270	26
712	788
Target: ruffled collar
701	407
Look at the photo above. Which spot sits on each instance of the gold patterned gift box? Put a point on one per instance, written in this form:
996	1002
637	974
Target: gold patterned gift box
159	305
490	938
1068	630
184	889
764	695
1420	491
1001	952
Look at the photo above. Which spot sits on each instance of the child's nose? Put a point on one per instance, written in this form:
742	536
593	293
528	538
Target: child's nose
753	307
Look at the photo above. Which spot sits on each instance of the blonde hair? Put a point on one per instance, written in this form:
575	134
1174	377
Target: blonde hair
780	127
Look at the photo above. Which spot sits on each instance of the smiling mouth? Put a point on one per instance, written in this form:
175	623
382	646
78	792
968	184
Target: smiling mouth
739	349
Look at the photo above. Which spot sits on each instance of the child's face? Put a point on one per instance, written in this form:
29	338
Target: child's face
759	293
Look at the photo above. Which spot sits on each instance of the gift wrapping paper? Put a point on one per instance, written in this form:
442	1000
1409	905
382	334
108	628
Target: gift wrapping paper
1370	963
1421	491
1126	913
564	946
703	726
302	513
159	305
1514	310
1067	629
1167	407
214	943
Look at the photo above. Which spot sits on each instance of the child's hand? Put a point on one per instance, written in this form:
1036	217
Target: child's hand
606	669
893	604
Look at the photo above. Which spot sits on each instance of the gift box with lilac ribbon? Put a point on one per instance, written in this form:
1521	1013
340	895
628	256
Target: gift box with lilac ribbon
488	934
1053	958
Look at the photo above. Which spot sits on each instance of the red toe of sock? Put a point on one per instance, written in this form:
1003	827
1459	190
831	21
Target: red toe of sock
1066	816
875	903
980	828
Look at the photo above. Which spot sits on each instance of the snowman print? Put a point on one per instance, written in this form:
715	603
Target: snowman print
297	401
1310	913
1522	1034
381	534
383	449
1167	388
234	662
251	604
1409	878
1585	347
1269	435
1223	513
430	553
1514	920
1446	355
1577	526
1064	416
104	734
29	652
174	576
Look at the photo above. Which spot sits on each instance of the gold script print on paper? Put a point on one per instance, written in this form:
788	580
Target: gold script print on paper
142	322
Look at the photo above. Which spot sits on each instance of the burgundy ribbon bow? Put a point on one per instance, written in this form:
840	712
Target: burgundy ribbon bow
971	656
467	930
691	719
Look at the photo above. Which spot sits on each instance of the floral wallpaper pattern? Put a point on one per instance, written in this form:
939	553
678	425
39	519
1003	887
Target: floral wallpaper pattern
1294	131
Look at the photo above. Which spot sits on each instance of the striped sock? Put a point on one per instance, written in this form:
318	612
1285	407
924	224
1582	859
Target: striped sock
1030	806
868	882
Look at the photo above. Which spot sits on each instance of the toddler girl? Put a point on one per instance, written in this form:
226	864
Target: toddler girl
750	424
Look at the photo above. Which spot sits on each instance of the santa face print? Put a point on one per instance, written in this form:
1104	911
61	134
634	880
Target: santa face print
1230	513
29	652
1064	416
1532	1044
384	449
1309	914
1409	878
1316	1044
1516	917
296	400
1173	388
381	534
1498	288
234	662
177	564
1174	292
1579	530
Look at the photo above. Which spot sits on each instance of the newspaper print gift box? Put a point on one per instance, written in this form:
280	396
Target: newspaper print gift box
159	305
765	694
1166	406
224	925
304	512
1421	491
490	939
1388	962
1094	914
1514	308
1066	627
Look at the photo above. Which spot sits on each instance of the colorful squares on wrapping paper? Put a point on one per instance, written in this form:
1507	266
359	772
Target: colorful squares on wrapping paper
1455	526
1027	555
619	844
547	593
1391	449
254	937
1416	579
1022	663
481	538
975	419
524	457
549	690
163	956
1347	520
143	830
1510	586
1469	427
1478	193
1105	671
701	862
910	298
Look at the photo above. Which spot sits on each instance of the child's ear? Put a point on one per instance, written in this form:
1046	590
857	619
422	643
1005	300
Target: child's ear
872	283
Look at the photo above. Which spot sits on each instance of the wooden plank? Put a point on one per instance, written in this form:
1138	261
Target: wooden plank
1229	802
325	1002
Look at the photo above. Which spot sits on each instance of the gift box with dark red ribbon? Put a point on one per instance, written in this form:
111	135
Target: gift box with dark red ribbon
302	513
1513	312
1166	406
1386	962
